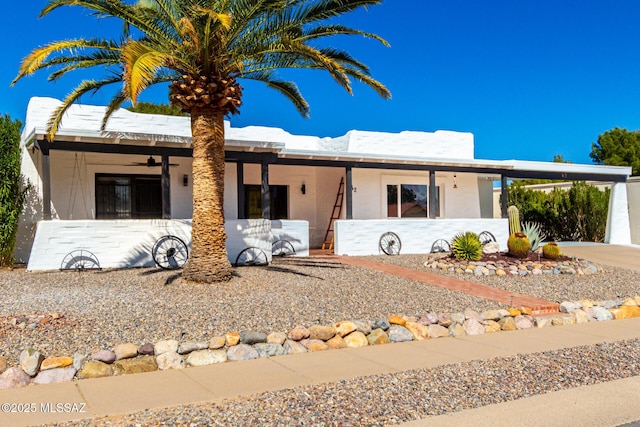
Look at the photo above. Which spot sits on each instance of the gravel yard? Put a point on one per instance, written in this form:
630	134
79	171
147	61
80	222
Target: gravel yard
103	308
613	282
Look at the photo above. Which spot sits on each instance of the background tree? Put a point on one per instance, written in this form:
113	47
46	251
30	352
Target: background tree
202	47
11	192
618	147
152	108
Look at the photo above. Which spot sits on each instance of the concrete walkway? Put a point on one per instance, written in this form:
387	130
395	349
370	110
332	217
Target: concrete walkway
119	395
513	299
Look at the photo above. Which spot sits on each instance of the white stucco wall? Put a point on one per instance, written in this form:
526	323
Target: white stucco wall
633	195
128	243
618	229
370	196
294	232
362	237
73	187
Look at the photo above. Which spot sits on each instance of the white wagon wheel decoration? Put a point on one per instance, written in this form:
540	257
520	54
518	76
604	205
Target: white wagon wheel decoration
282	248
440	245
486	237
390	243
80	260
251	256
170	252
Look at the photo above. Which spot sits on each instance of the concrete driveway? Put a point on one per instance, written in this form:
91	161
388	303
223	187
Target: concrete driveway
600	253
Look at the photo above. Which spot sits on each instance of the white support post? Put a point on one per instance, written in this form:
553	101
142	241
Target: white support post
618	229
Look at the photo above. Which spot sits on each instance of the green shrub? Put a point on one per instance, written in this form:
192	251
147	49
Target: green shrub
466	246
577	214
518	245
11	192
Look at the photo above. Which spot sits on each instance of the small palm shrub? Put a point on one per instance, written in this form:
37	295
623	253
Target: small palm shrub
551	251
518	245
534	234
466	246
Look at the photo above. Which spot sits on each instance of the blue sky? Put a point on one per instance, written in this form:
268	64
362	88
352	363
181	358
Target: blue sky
530	79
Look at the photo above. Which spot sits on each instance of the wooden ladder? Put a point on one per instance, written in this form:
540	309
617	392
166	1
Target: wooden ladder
327	244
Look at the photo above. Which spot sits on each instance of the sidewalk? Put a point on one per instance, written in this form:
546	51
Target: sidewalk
118	395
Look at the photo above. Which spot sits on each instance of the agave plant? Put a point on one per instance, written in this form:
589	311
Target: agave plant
466	246
534	233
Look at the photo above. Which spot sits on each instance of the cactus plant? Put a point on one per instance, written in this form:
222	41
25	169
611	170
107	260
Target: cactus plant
551	251
514	220
518	245
534	234
466	246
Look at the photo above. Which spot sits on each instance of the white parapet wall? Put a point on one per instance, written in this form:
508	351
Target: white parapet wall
128	243
294	232
362	237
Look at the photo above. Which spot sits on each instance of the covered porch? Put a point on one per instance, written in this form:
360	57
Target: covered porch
422	186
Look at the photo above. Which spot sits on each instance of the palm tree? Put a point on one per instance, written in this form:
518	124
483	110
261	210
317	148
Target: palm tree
202	48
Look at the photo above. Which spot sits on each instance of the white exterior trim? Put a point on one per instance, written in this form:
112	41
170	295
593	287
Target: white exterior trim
618	229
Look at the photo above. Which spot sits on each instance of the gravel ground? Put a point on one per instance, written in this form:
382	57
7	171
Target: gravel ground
612	283
104	308
101	309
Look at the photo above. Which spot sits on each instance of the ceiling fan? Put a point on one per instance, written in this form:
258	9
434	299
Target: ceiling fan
151	162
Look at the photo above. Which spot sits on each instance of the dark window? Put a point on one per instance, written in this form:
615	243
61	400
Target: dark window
128	196
278	197
410	201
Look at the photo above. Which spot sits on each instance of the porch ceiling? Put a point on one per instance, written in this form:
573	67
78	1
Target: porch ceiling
275	153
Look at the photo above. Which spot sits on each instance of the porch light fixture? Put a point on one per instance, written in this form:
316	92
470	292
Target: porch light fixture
303	188
185	180
151	161
455	181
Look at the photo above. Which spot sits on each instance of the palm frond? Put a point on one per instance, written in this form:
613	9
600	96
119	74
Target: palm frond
115	103
129	14
288	89
334	30
141	63
37	59
83	88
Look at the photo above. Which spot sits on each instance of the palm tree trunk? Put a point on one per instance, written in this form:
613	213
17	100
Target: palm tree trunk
208	262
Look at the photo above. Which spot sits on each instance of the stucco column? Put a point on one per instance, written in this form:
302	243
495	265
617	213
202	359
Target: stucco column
618	228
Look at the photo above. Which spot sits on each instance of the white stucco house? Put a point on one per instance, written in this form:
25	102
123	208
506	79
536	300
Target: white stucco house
115	192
